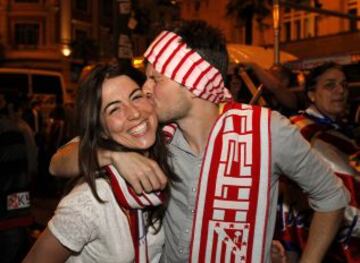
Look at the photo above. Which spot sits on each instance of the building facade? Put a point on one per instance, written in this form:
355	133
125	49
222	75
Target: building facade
66	35
303	33
58	35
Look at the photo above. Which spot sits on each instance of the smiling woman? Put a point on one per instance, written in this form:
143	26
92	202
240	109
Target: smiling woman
100	219
128	117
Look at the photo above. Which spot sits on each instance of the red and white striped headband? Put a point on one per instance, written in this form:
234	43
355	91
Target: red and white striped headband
169	56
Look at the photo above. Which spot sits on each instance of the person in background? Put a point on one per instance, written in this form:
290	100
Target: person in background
33	117
277	91
224	204
16	110
101	219
237	87
57	129
15	167
322	125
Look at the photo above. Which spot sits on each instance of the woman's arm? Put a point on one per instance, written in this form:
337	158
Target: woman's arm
47	249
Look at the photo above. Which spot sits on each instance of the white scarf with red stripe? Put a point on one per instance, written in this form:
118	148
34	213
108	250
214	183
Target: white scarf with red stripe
128	199
232	201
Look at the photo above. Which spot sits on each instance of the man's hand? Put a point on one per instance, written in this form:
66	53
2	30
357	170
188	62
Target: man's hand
142	173
278	253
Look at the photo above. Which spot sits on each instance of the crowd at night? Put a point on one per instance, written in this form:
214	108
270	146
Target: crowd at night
180	131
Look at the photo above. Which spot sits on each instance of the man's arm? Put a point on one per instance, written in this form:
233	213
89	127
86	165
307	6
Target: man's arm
323	229
65	161
142	173
327	194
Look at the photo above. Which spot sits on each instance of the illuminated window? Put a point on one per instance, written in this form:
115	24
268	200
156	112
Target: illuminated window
287	26
107	8
353	22
317	26
82	5
27	1
27	34
297	28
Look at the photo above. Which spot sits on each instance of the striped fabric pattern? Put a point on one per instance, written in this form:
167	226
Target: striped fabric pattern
128	199
232	202
169	56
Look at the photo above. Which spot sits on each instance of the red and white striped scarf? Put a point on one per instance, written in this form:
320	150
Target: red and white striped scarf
233	196
128	199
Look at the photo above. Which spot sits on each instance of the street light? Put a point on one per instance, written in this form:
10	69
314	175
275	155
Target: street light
66	51
276	24
65	48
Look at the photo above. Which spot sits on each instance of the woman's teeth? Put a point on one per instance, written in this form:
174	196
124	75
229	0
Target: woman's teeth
139	129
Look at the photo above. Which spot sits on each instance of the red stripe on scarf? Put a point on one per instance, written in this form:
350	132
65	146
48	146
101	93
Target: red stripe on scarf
196	83
157	42
181	62
210	82
120	197
134	230
169	59
163	49
190	70
135	218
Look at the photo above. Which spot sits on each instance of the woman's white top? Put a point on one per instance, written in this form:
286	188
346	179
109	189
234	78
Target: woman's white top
98	232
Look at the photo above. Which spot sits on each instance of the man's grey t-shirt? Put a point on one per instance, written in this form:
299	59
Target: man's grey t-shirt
291	155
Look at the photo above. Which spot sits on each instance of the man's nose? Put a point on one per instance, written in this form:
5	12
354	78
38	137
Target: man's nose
148	89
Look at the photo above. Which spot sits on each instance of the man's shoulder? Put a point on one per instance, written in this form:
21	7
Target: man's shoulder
243	107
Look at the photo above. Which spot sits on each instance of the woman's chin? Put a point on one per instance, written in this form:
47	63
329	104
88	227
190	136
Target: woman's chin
142	143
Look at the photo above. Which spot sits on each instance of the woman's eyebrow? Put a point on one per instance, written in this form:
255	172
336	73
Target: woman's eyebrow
118	101
134	91
110	104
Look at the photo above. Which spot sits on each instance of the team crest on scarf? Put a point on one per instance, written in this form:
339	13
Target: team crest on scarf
232	202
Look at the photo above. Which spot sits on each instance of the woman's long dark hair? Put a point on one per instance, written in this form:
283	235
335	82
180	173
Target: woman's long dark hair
88	108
